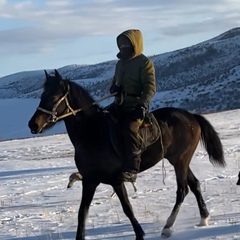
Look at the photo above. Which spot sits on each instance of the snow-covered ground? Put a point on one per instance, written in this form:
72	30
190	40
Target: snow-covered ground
36	205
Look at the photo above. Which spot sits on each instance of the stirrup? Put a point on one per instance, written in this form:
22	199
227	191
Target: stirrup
130	177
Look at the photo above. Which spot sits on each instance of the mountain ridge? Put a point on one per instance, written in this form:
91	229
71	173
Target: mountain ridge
200	78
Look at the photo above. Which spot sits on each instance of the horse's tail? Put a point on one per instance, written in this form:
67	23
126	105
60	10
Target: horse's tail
211	141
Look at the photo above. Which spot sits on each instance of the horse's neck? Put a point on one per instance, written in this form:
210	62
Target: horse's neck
88	125
79	98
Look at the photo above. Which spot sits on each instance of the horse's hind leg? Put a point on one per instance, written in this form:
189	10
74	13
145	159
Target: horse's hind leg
182	190
194	185
127	208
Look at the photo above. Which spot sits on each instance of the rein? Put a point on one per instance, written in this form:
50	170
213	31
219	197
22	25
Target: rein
53	113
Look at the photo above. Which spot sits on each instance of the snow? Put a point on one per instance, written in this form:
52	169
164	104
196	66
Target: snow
36	205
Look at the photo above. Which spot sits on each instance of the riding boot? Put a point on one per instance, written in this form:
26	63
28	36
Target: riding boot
130	172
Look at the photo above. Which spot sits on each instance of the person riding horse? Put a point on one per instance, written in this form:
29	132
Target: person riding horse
98	161
135	85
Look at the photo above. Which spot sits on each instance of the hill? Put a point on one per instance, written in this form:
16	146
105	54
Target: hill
201	78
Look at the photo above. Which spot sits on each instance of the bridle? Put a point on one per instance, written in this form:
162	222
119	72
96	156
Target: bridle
54	118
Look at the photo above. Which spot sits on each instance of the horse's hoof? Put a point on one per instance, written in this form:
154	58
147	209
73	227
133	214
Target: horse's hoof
76	176
166	233
204	222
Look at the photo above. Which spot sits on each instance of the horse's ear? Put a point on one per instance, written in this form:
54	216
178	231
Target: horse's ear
46	74
57	75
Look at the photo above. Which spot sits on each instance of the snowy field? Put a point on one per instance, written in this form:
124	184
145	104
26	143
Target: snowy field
36	205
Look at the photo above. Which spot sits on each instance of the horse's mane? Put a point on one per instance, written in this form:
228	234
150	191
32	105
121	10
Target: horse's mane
81	96
78	94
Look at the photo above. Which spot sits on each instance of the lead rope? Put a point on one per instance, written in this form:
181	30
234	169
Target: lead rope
114	193
163	167
163	172
134	187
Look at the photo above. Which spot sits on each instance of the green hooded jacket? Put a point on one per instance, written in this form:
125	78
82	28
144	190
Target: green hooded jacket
135	75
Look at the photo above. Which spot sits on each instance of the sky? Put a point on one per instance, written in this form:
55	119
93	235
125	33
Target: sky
48	34
36	205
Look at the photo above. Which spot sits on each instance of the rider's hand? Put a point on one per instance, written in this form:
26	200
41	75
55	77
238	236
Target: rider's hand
115	89
138	112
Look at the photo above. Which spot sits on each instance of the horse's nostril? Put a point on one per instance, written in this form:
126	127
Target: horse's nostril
33	127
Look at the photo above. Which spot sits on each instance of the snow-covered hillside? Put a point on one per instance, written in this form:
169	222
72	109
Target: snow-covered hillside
36	205
201	78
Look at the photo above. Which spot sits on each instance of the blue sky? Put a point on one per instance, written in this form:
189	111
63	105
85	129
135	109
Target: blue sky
50	34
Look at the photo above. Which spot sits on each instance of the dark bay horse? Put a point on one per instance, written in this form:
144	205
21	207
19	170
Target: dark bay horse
97	160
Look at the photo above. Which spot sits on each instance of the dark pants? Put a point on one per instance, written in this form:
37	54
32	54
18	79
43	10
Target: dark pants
132	143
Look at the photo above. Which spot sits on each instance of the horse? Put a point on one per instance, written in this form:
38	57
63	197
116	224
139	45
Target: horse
99	162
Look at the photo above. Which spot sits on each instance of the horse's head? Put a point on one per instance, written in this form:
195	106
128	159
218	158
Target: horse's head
53	104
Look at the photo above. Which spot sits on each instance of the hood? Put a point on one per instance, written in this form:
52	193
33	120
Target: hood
135	36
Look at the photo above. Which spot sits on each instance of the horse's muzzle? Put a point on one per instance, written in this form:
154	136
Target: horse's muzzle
33	127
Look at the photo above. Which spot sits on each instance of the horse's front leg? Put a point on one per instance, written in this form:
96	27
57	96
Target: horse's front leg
238	182
127	208
88	190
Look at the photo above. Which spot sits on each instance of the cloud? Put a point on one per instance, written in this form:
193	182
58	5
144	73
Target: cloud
43	25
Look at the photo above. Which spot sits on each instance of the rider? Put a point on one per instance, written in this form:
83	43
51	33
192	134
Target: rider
135	84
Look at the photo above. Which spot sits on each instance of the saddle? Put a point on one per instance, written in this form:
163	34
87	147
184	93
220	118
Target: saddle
149	131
